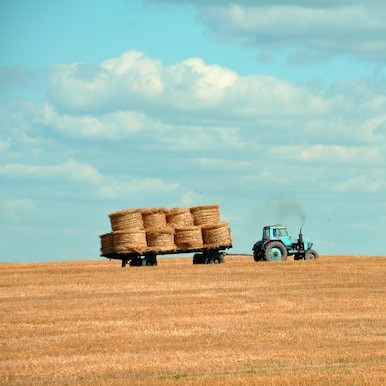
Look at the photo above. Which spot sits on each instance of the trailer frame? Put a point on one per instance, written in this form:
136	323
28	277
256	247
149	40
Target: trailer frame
204	255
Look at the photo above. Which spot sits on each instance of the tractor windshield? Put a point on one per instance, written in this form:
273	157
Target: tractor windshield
281	232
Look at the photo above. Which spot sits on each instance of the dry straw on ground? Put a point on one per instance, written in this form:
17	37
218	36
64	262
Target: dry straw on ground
239	323
188	237
179	217
126	219
205	214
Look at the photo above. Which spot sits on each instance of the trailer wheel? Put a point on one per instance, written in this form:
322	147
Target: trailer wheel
198	258
311	254
216	258
275	251
149	260
136	262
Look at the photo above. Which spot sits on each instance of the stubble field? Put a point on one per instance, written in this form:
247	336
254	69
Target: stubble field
240	323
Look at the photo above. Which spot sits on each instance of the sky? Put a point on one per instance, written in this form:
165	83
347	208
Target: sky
275	110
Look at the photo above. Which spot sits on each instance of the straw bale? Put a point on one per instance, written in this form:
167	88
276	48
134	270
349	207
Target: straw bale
160	239
107	243
154	218
216	235
188	237
126	219
205	215
130	242
180	217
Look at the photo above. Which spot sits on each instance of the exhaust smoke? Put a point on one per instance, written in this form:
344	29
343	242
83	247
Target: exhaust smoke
290	210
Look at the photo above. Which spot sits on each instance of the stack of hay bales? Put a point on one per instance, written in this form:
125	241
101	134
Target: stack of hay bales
159	230
128	231
215	233
159	236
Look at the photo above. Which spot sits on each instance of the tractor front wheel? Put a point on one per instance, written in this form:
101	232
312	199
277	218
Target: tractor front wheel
311	254
275	251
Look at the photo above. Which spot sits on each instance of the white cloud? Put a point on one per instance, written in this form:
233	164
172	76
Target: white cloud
70	169
368	183
345	154
315	29
201	82
189	86
122	81
74	174
114	125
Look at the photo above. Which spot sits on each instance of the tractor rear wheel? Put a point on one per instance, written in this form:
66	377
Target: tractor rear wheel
275	251
311	254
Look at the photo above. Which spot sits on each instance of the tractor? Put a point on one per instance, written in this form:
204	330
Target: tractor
276	245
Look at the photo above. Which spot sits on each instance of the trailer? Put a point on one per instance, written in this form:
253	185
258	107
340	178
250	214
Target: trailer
210	255
138	236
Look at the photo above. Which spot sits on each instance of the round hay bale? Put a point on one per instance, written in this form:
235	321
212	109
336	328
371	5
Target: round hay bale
188	237
130	242
154	218
107	243
206	215
160	239
126	219
180	217
216	235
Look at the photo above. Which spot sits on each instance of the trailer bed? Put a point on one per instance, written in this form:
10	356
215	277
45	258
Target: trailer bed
151	254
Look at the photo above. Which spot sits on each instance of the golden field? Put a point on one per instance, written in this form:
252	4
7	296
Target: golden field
240	323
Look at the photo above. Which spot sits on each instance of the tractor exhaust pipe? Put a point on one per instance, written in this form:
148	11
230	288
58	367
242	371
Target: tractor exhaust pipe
301	236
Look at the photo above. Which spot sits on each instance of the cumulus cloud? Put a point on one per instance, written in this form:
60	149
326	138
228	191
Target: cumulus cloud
70	169
114	125
187	86
313	30
192	104
345	154
77	174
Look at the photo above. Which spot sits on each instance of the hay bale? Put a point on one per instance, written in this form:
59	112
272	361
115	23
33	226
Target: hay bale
206	215
188	237
216	235
126	219
154	218
160	239
179	217
107	243
130	242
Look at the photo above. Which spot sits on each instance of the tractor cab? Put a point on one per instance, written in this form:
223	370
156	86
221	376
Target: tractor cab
277	232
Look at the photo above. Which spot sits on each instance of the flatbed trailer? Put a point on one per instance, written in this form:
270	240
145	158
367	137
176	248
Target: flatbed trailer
205	255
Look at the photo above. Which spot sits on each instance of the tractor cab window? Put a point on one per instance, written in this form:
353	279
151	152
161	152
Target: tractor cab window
282	232
265	233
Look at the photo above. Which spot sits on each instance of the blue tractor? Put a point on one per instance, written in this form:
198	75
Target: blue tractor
277	245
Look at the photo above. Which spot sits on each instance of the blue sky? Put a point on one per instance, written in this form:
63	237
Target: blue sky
275	111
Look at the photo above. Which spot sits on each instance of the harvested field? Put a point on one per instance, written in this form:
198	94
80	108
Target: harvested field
239	323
